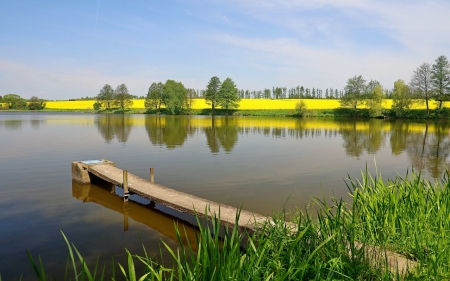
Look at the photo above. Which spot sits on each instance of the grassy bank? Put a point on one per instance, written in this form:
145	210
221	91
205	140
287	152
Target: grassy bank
408	215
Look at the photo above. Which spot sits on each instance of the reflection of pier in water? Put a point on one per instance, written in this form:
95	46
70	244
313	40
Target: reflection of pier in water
105	195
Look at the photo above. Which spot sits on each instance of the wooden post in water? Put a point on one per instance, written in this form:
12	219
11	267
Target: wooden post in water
126	192
152	175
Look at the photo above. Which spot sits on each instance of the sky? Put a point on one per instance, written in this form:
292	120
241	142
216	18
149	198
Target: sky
70	49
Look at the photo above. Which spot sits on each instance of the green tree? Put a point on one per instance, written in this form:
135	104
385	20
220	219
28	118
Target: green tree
106	97
122	98
355	93
212	92
440	79
374	103
154	97
228	95
402	99
421	83
11	100
36	104
174	96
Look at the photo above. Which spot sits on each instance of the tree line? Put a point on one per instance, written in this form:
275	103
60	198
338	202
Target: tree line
14	101
176	98
428	82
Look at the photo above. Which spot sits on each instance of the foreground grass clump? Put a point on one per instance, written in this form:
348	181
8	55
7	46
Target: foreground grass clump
410	216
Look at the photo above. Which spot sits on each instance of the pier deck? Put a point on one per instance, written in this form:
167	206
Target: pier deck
82	172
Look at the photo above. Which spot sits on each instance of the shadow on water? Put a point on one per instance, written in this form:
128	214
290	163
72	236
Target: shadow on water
148	213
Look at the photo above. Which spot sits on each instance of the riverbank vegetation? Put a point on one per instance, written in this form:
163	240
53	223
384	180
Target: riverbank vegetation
16	102
338	241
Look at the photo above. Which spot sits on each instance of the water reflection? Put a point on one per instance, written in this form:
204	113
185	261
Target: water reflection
224	132
362	137
104	195
169	131
427	149
12	125
114	126
425	144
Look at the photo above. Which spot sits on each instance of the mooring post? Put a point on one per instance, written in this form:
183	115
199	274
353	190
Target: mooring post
152	175
126	193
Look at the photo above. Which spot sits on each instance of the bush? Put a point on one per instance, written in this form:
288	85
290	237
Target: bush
301	108
97	106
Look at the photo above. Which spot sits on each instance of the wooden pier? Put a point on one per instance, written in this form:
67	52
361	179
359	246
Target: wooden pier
92	170
85	172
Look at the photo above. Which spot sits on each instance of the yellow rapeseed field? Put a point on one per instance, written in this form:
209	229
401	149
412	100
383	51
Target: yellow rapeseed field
245	104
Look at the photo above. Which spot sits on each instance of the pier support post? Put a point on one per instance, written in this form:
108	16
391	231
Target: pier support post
152	175
126	192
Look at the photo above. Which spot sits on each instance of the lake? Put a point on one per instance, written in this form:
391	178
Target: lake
263	164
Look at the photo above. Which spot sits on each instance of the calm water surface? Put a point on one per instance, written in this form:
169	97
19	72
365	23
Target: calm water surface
254	162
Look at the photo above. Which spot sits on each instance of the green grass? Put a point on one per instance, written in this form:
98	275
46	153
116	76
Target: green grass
408	215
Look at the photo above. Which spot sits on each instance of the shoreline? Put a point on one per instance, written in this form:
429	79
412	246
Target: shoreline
418	114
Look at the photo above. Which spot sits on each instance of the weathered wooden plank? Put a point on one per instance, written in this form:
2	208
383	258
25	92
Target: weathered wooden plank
175	199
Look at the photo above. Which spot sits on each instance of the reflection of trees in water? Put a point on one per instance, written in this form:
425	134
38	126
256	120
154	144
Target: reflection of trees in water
12	125
35	124
224	133
114	126
368	138
427	149
171	131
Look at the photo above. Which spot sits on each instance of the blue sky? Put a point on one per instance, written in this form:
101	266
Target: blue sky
69	49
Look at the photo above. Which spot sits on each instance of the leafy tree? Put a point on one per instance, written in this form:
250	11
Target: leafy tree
154	97
36	104
106	97
122	97
421	83
20	104
212	91
11	100
355	93
440	79
228	95
371	86
374	103
97	106
402	99
174	96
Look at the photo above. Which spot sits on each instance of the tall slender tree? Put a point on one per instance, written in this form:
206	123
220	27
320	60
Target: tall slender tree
355	93
440	79
212	90
228	95
154	97
421	83
122	98
106	96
